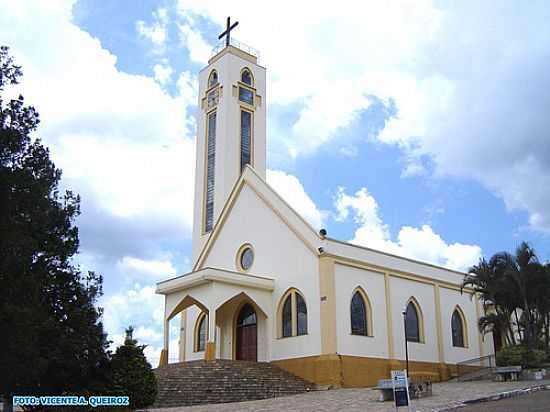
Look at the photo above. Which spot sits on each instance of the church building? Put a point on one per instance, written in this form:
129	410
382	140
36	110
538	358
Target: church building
266	286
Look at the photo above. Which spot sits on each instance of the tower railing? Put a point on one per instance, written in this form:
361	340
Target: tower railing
239	45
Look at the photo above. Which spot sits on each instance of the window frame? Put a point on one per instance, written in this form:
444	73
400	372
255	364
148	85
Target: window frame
243	70
239	254
203	317
368	312
462	319
420	318
251	144
205	226
291	293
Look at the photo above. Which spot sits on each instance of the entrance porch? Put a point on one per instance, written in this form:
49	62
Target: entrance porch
237	310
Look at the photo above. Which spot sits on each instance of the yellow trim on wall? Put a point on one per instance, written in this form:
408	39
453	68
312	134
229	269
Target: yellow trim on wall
327	286
346	261
389	323
368	308
438	324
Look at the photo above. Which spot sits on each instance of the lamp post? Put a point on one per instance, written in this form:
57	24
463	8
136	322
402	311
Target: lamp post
406	341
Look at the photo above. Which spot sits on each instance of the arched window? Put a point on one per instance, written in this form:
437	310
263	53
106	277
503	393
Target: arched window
413	322
458	329
358	315
201	332
301	315
213	78
246	77
292	315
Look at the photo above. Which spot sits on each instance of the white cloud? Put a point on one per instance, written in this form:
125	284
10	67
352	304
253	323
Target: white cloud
292	190
163	73
156	32
122	142
469	95
199	49
153	268
417	243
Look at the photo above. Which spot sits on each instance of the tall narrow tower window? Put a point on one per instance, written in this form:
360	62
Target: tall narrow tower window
210	169
246	138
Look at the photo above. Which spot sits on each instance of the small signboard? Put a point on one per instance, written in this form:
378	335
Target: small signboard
400	385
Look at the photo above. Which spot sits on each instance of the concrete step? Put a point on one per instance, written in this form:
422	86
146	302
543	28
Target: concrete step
221	381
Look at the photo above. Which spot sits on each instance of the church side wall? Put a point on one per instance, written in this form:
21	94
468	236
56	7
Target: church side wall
401	291
449	301
347	279
278	253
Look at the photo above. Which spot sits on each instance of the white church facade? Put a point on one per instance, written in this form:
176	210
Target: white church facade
267	286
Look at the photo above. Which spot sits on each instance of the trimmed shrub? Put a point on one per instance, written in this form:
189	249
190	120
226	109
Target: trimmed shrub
520	355
132	374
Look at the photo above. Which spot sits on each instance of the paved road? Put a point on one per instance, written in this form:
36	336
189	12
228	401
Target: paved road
535	402
360	400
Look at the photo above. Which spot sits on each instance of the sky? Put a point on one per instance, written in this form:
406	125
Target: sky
420	128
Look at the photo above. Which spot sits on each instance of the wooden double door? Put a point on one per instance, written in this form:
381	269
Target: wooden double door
247	334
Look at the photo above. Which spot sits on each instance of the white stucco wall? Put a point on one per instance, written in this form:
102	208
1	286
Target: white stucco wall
346	280
279	254
449	300
401	291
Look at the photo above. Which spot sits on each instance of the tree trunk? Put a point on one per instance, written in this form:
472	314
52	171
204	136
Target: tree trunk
7	405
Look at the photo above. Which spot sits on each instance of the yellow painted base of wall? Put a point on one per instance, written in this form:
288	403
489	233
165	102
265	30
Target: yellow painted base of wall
356	372
210	351
163	358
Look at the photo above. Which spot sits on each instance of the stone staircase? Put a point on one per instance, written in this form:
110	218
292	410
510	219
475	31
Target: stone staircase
202	382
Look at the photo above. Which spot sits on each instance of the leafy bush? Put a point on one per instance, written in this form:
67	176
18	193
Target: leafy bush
520	355
132	374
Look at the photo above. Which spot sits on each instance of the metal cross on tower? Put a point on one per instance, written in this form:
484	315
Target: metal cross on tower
227	32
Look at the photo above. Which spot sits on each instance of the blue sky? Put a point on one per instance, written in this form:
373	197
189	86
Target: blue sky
416	127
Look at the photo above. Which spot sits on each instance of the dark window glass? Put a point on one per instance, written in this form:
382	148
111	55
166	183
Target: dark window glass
287	317
411	323
247	258
210	168
202	334
247	316
246	95
213	79
246	137
457	330
301	315
246	77
358	315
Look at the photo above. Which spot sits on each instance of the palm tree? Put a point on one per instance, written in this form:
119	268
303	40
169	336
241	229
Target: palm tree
515	290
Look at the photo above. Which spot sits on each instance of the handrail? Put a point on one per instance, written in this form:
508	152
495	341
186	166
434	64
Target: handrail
475	365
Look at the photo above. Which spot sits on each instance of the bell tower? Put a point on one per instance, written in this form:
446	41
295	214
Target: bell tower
231	130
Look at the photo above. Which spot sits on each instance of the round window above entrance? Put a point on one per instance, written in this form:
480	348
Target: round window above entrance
245	257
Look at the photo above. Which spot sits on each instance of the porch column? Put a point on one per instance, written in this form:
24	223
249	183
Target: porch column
164	353
210	349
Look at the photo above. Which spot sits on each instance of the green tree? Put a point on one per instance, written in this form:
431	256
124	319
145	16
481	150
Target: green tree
52	336
515	290
132	374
